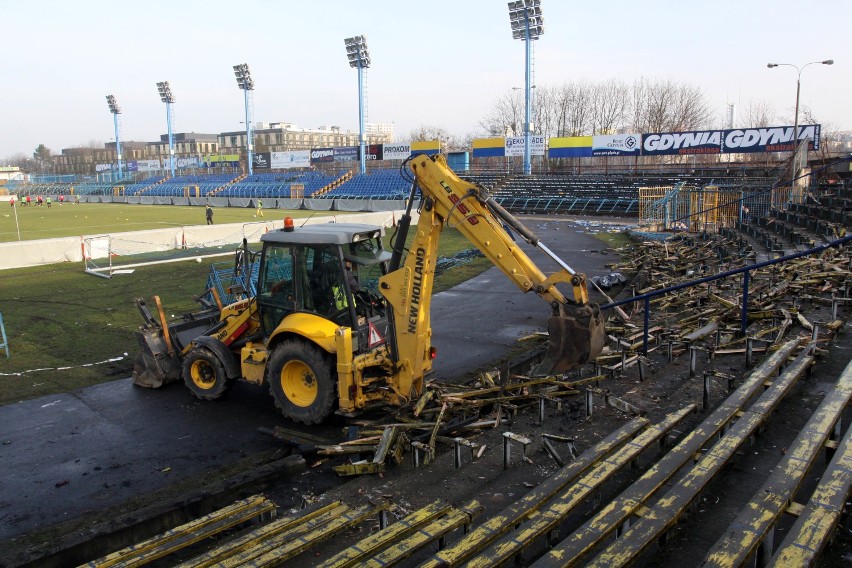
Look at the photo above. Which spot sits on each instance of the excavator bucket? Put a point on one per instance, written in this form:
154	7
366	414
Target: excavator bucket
576	336
154	365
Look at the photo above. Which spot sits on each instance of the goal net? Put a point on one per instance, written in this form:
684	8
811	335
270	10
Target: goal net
123	253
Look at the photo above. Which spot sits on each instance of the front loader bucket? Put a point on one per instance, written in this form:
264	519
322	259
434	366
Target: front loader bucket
145	372
576	336
154	365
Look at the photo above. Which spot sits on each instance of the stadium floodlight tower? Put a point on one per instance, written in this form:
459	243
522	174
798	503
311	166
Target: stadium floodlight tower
246	83
359	58
527	25
798	88
116	110
167	97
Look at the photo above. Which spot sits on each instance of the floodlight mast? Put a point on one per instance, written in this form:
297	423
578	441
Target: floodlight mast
527	25
246	83
116	110
167	97
359	58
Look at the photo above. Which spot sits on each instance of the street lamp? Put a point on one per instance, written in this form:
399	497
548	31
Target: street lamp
246	83
527	25
359	58
116	110
167	97
798	86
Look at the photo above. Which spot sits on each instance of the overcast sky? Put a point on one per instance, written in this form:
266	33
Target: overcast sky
438	63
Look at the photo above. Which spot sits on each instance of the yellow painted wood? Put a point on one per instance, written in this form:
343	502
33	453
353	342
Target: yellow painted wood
527	505
399	530
187	533
556	511
277	527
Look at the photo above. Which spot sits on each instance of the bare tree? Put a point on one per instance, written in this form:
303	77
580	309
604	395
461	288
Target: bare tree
430	132
758	114
574	101
667	106
506	117
609	102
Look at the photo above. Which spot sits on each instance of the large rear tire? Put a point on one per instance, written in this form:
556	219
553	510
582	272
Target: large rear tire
301	380
204	374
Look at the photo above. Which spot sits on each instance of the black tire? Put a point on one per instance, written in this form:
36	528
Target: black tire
204	374
302	381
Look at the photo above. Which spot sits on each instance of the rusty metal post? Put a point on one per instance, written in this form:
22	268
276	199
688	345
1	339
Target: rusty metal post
589	403
744	314
693	360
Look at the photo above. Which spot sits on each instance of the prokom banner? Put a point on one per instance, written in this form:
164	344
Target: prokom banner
373	152
148	165
103	168
261	161
346	154
322	155
132	166
292	159
187	162
396	151
515	145
616	145
738	140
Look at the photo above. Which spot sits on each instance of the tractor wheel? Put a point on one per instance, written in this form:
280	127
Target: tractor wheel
204	374
301	381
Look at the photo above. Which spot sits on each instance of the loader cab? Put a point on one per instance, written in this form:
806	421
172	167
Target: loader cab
330	270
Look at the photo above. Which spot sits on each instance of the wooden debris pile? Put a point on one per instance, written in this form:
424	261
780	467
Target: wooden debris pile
779	297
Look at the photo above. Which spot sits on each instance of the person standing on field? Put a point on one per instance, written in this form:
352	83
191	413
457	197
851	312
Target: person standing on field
259	212
209	213
48	202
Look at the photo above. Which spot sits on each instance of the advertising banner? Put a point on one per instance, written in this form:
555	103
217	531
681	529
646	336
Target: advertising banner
132	166
570	147
346	154
738	140
515	145
261	161
428	147
396	151
489	147
322	155
373	152
616	145
148	165
292	159
187	162
222	161
103	167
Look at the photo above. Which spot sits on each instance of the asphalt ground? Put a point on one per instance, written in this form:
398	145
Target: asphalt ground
66	455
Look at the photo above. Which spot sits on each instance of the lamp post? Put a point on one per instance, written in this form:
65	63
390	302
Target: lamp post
798	88
359	58
116	110
167	97
246	83
527	26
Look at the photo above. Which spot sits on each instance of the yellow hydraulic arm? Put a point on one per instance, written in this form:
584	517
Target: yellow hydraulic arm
576	327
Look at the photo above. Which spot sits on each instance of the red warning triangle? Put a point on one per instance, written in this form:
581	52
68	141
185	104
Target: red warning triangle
375	337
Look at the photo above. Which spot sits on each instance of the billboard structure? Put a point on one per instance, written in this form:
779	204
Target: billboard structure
731	141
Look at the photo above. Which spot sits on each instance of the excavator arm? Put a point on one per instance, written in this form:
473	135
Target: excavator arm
575	326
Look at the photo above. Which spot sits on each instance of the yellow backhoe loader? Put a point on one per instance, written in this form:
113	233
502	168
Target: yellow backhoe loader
339	323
